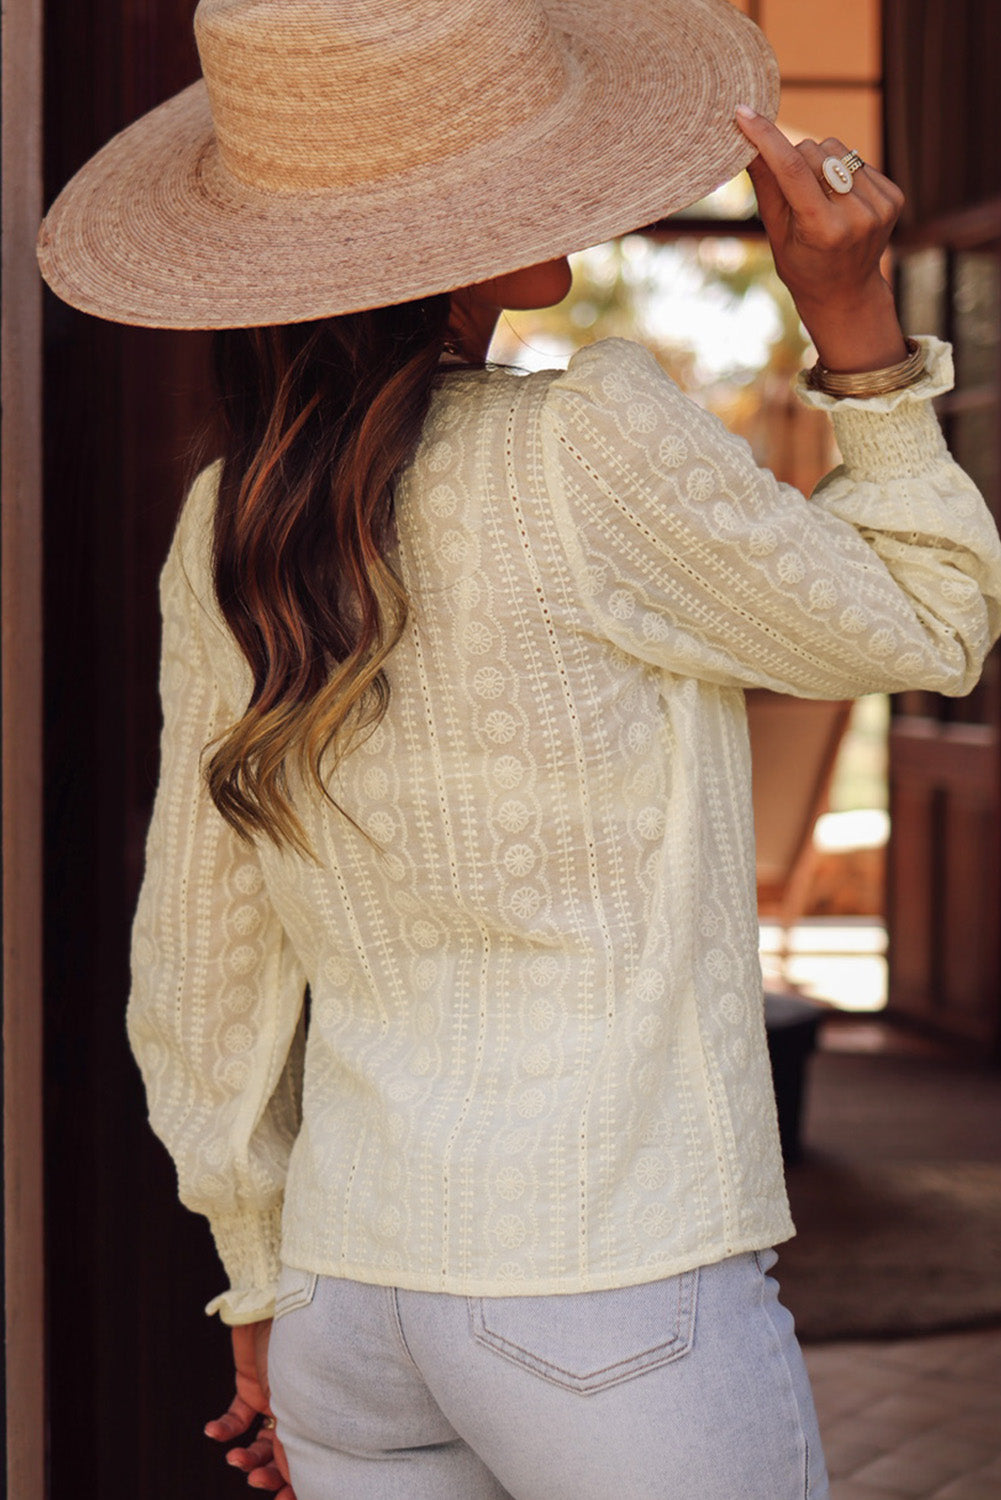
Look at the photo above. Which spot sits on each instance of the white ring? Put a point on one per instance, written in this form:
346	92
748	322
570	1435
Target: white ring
838	175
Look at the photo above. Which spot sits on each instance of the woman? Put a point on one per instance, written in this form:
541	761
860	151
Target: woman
454	734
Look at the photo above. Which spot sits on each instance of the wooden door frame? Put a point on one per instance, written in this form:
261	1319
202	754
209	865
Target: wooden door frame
24	1375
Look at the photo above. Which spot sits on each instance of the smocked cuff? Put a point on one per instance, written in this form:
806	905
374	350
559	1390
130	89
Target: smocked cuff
249	1247
891	436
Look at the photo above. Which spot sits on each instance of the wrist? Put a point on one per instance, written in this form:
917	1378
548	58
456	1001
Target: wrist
865	384
856	333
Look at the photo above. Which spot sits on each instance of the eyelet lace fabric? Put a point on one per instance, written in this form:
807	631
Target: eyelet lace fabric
536	1057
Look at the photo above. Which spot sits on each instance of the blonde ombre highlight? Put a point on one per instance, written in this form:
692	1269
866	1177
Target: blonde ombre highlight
319	420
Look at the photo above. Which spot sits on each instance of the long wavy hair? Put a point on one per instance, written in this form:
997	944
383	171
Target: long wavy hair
318	421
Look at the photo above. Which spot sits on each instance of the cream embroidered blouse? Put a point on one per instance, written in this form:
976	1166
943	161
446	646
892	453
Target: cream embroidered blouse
536	1059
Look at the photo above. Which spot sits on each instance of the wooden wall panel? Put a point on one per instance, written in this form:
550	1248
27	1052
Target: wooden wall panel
944	890
909	891
971	902
850	29
854	116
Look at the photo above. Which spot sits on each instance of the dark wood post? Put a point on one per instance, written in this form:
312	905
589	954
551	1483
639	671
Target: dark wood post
24	1404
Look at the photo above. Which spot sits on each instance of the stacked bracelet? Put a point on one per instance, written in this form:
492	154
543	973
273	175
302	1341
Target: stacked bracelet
870	382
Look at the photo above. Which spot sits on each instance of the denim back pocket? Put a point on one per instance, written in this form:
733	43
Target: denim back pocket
587	1341
295	1289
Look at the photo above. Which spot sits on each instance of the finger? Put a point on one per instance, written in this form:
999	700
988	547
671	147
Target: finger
266	1478
873	186
862	192
886	186
280	1458
255	1455
772	205
866	195
233	1422
869	186
793	175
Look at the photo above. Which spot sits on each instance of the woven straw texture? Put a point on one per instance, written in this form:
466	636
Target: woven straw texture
341	154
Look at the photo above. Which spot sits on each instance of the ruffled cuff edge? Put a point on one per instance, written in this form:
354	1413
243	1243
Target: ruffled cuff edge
236	1308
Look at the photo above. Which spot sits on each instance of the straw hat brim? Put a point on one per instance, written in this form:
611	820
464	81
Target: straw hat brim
154	231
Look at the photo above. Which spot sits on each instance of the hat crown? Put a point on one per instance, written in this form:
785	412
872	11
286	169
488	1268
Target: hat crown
310	95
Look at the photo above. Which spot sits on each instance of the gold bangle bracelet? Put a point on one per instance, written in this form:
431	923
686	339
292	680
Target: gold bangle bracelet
870	382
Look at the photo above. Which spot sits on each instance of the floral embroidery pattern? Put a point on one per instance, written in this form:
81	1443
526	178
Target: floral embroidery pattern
536	1049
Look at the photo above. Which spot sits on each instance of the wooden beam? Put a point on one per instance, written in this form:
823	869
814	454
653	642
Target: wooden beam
21	647
959	757
974	228
683	226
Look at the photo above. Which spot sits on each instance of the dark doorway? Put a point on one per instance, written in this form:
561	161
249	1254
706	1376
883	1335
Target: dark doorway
135	1369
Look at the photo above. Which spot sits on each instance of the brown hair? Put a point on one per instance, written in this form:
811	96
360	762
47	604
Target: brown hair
319	419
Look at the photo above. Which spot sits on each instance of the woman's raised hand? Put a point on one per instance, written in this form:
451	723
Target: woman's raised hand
263	1459
827	246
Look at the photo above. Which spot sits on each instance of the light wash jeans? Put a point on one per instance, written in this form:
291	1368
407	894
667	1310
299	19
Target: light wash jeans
691	1388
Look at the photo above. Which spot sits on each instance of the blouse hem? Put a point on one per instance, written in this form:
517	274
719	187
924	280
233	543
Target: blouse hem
474	1286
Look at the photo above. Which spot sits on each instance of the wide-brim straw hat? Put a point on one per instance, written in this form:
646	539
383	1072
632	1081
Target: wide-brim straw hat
343	154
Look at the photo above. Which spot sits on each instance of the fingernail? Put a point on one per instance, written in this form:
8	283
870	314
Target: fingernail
746	112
